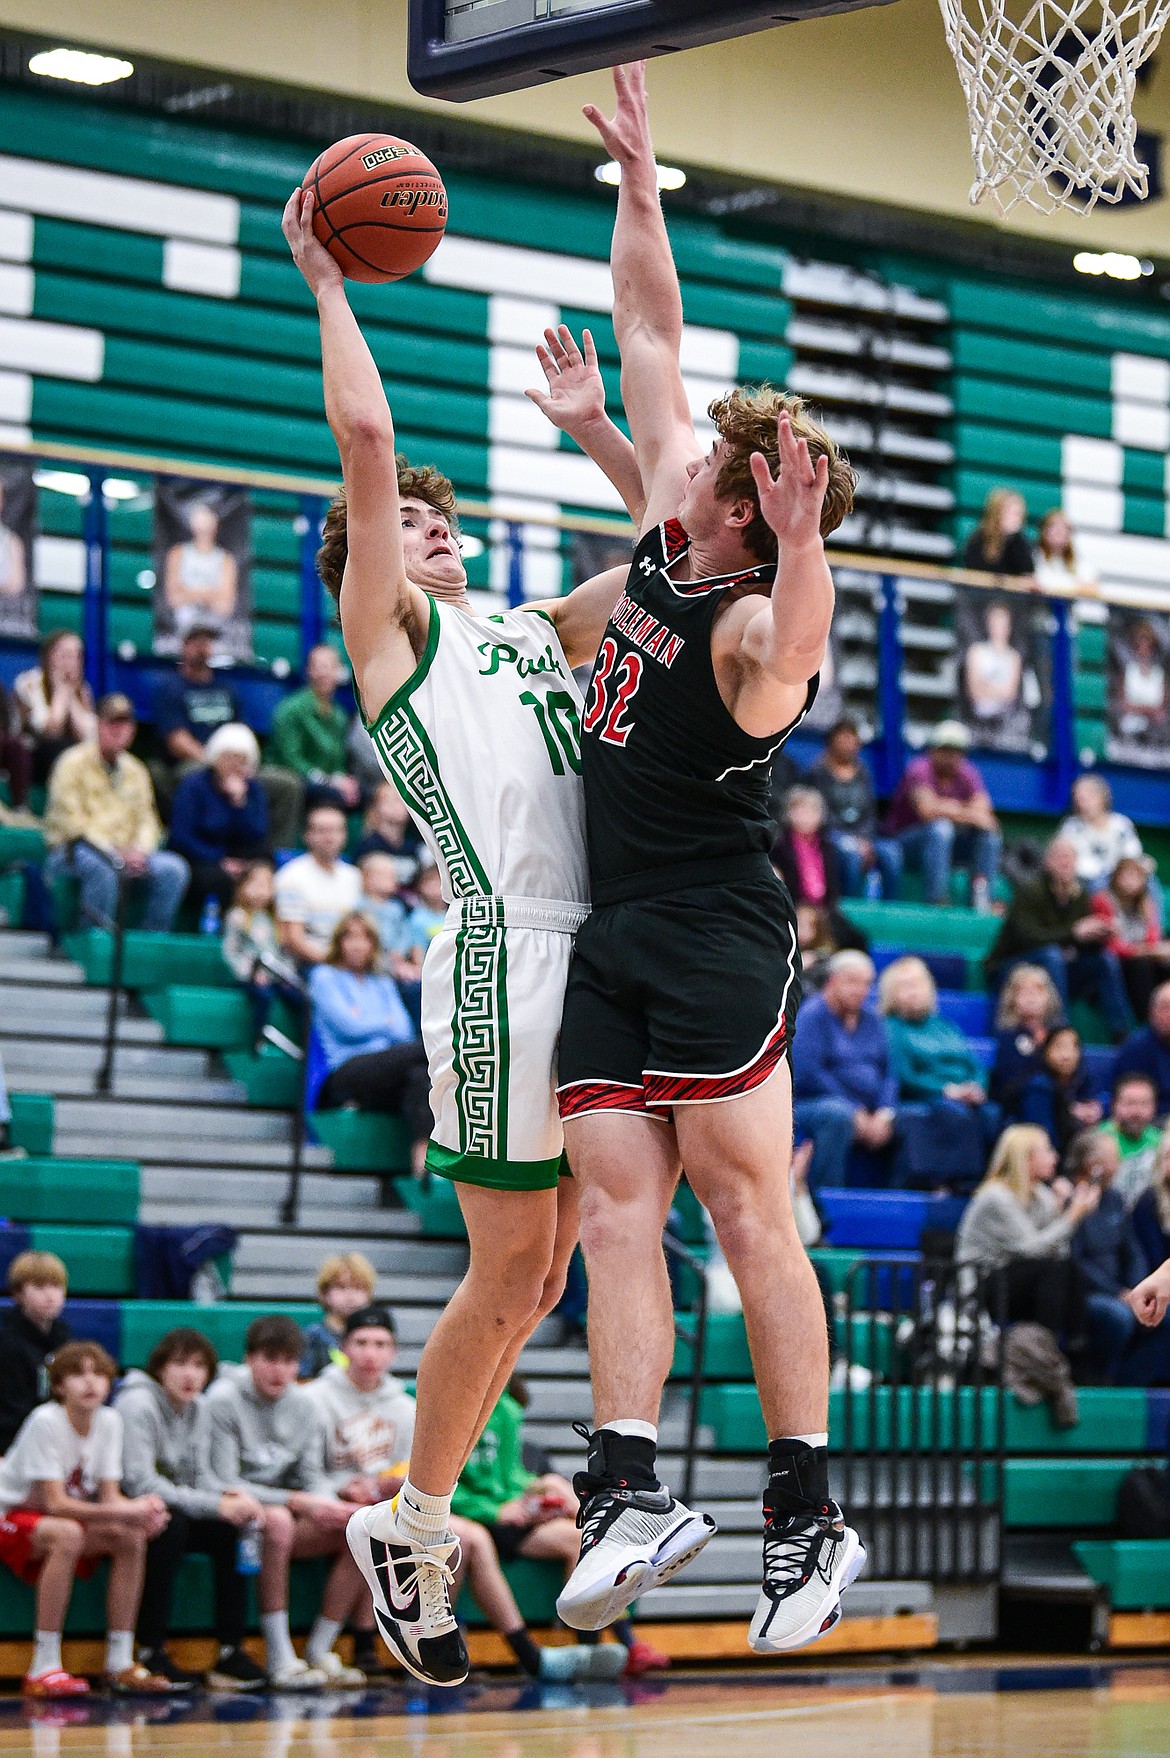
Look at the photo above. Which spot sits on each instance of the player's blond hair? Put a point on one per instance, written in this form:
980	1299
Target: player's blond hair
421	482
746	420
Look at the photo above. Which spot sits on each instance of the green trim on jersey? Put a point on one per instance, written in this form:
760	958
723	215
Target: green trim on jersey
480	1038
494	1174
404	691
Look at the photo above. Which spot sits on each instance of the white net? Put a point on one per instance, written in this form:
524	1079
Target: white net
1050	90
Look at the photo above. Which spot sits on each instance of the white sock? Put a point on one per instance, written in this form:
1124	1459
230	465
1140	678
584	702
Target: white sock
810	1440
421	1518
629	1425
277	1641
46	1654
119	1650
321	1639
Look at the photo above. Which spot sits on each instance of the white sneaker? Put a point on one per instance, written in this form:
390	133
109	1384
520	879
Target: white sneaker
809	1561
411	1585
632	1540
340	1676
298	1675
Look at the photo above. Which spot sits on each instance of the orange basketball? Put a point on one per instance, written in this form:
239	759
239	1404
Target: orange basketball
381	207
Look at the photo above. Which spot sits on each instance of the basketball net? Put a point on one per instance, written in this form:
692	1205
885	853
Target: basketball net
1050	87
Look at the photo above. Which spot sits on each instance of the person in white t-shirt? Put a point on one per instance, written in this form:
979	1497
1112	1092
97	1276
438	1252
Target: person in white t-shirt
316	889
61	1508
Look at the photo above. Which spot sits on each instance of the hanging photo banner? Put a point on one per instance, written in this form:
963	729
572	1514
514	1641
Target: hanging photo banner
1003	644
202	565
18	524
1139	709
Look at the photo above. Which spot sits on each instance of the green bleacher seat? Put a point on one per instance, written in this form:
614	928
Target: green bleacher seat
436	1204
105	1191
272	1079
692	1226
363	1141
1113	1419
1090	691
833	1264
923	927
225	1322
1063	1492
151	960
201	1014
100	1260
20	842
32	1122
725	1351
1135	1570
12	890
535	1586
1092	644
1091	737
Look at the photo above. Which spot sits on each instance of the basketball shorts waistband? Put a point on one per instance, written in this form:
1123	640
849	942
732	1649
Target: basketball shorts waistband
554	915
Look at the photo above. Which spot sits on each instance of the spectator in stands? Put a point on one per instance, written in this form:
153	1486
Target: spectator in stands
1151	1215
62	1508
1147	1051
219	816
361	759
1058	566
806	860
375	1061
252	950
55	702
842	778
426	918
388	829
16	754
1106	1247
1132	1126
266	1440
309	733
814	936
941	813
1101	836
930	1057
844	1087
101	824
32	1331
1050	922
167	1453
345	1283
188	707
316	889
382	903
1136	935
998	545
1029	1008
1017	1230
1060	1097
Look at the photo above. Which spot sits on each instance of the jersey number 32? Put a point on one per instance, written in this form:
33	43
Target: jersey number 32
611	693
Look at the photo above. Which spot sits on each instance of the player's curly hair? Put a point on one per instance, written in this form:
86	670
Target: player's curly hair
746	420
416	483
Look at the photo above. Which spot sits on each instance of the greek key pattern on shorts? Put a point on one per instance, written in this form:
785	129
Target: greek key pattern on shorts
481	1029
410	758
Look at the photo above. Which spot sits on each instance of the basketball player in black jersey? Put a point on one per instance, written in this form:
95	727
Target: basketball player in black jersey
686	978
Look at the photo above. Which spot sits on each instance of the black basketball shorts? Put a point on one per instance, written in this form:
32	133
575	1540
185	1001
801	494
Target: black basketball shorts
683	998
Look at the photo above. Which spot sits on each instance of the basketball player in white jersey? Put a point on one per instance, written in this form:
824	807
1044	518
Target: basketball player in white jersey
476	721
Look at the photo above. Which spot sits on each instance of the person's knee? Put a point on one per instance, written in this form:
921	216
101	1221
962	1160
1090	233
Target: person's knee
63	1538
941	832
511	1276
613	1220
278	1530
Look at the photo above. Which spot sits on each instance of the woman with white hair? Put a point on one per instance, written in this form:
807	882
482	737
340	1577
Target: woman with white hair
219	817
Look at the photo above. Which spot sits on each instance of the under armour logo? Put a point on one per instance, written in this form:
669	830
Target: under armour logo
647	565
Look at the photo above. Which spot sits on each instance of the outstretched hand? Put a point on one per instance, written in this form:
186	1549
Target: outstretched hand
309	254
626	137
792	501
575	394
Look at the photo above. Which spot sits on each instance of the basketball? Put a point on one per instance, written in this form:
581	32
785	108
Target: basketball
381	207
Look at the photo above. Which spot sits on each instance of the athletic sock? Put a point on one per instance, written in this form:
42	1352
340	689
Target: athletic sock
421	1518
623	1629
798	1475
321	1639
119	1650
46	1654
278	1647
616	1457
525	1650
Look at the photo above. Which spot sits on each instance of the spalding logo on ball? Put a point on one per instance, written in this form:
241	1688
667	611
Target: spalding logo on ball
380	207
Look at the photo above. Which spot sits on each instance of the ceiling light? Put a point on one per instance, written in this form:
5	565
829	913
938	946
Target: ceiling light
1117	264
63	482
117	488
80	66
669	176
470	547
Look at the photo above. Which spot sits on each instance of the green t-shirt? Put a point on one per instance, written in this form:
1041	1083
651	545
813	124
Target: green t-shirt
307	740
495	1472
1138	1158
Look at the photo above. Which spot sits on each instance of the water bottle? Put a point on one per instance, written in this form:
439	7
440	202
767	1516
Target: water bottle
873	884
248	1549
209	920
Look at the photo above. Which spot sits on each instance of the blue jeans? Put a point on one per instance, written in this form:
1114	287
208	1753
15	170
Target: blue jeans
165	878
828	1123
934	848
1111	1325
887	854
1095	975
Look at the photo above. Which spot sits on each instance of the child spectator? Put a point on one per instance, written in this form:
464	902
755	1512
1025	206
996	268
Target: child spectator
425	919
388	829
1132	1126
1058	567
998	545
252	951
805	857
167	1454
32	1331
1029	1008
385	908
1060	1097
266	1439
345	1283
1107	1250
1134	916
54	701
61	1508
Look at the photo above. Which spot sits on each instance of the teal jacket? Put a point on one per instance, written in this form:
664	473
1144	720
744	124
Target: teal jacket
495	1472
927	1055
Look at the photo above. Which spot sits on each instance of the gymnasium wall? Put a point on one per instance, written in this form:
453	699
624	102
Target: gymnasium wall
865	106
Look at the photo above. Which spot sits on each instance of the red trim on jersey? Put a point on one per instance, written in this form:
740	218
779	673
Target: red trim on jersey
691	1089
582	1097
674	539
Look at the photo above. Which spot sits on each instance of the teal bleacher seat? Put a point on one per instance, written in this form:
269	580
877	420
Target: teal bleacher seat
436	1203
363	1141
100	1260
102	1191
203	1015
32	1122
145	1321
1136	1571
151	960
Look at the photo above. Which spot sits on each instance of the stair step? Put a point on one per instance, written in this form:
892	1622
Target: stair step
256	1218
63	1084
25	944
105	1118
49	972
302	1252
427	1291
135	1060
321	1194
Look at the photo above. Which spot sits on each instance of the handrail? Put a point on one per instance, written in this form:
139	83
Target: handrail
698	1343
104	1078
291	1207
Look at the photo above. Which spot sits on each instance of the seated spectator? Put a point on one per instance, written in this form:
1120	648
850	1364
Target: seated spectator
361	759
252	951
1136	935
1151	1215
54	702
1147	1051
266	1440
31	1332
806	860
1101	836
1050	922
1105	1246
842	779
375	1061
1029	1008
931	1059
1017	1231
166	1453
309	732
843	1085
998	545
62	1508
188	707
381	901
219	816
345	1283
16	752
1058	566
101	825
1132	1125
7	1150
316	889
1060	1097
388	829
814	936
941	813
425	919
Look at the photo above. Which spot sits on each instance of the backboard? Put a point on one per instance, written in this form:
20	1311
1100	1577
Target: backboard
474	48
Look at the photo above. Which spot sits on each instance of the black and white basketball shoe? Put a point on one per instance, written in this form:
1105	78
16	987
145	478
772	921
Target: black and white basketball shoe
809	1560
411	1588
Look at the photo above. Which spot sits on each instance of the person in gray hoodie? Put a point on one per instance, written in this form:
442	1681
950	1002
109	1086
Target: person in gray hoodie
267	1439
167	1452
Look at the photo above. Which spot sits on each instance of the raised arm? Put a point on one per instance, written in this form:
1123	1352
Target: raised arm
383	617
574	401
647	304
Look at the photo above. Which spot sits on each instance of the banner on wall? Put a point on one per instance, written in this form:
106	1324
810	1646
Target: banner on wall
18	523
202	564
1138	660
1004	666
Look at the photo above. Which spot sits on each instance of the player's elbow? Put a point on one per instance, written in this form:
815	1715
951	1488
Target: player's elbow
368	435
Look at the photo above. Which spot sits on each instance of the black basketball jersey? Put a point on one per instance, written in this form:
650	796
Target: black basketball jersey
675	792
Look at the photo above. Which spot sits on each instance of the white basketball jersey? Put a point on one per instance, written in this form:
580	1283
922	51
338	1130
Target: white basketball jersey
483	742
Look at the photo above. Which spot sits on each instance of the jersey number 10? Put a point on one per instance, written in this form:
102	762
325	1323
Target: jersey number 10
612	692
556	714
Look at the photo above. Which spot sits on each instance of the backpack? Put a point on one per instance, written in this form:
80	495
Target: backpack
1143	1506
